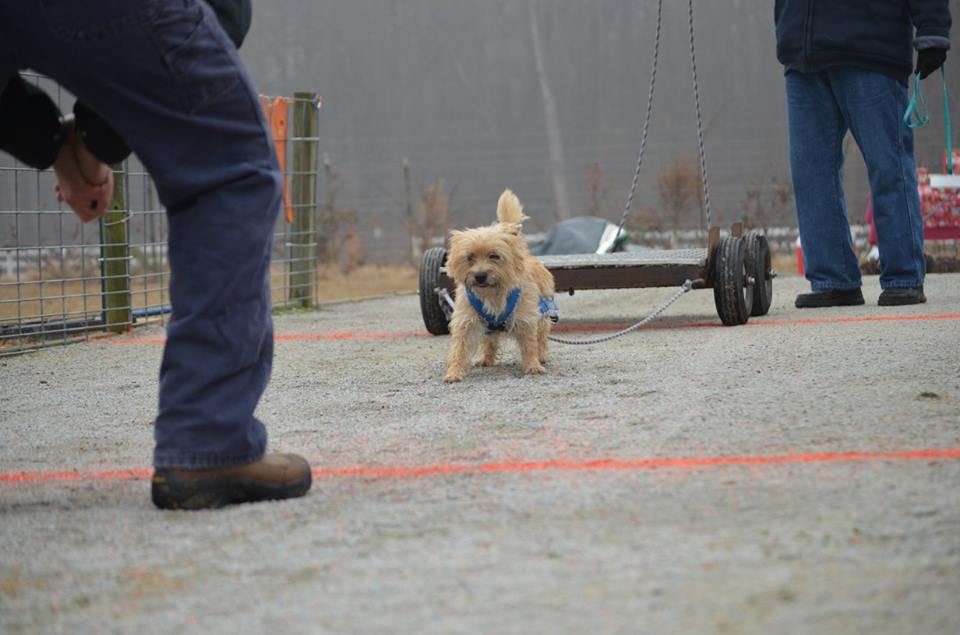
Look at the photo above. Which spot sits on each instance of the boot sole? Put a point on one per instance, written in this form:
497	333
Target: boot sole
852	302
900	301
169	493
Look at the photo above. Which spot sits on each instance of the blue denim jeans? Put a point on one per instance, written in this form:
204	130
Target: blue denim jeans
821	108
169	81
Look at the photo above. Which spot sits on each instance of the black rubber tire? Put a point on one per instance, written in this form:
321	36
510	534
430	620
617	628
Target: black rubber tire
758	253
731	293
433	317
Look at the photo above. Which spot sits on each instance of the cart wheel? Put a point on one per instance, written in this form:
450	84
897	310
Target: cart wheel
433	316
732	289
758	253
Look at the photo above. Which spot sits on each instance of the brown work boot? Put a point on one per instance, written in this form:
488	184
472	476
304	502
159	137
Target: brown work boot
274	477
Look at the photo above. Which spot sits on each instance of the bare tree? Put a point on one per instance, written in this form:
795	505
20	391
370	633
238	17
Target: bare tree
679	185
434	214
333	222
764	204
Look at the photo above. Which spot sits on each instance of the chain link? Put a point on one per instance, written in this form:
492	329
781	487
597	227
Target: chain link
646	121
708	211
687	285
446	304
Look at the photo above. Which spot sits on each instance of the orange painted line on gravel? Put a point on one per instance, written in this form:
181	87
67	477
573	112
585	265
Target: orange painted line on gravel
295	337
577	328
591	328
108	475
858	318
348	335
409	471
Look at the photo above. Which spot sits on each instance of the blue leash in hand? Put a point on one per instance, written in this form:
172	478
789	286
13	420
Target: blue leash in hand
918	114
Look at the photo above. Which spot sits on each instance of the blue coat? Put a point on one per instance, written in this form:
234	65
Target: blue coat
879	35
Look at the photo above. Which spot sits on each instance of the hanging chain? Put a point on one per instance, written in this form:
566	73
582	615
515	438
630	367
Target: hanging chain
696	98
646	120
707	208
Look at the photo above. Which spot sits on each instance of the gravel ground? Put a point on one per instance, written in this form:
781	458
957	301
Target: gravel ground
833	546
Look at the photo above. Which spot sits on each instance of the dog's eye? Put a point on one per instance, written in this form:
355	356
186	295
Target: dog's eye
471	259
494	256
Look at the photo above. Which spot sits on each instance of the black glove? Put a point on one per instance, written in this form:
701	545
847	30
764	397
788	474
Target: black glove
929	60
30	125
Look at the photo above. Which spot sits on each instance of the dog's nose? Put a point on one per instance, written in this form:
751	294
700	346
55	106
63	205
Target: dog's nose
480	277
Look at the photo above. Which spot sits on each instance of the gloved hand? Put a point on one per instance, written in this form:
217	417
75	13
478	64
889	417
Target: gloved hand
929	60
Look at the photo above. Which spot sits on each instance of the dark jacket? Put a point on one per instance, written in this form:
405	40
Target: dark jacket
234	16
878	35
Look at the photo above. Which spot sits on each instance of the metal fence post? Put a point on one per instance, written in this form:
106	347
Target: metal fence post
303	258
114	259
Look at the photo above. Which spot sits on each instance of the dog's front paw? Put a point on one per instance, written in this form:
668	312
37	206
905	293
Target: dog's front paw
453	377
534	369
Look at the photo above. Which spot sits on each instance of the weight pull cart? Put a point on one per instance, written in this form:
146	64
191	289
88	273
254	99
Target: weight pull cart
737	267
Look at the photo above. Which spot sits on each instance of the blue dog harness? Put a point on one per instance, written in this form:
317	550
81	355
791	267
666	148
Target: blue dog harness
500	323
495	322
549	310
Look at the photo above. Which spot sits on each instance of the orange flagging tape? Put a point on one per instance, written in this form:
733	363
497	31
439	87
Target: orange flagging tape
278	112
409	471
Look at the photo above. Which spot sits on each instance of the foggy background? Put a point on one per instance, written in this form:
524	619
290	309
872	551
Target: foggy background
453	86
468	91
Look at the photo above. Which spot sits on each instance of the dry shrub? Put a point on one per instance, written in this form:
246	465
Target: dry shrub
433	214
680	189
352	256
597	189
336	227
763	205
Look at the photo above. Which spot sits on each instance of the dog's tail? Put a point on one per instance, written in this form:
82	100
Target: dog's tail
509	210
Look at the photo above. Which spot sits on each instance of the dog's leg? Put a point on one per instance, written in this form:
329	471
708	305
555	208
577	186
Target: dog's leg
490	347
463	346
544	344
529	351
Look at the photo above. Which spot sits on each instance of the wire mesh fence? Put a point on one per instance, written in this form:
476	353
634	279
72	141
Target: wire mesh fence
64	281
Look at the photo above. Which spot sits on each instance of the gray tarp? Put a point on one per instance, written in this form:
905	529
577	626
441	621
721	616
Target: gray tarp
580	235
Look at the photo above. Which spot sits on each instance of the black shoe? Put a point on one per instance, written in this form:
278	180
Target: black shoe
829	297
897	297
274	477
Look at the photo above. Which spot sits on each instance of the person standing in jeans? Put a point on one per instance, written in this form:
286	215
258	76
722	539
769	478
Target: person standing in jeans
847	65
164	79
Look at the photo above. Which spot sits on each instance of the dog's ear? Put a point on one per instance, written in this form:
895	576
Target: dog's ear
514	229
455	237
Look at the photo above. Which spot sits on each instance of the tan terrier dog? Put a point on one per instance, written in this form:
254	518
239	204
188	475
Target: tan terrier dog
501	290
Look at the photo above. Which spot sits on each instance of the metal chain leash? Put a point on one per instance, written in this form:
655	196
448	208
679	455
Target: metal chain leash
446	304
687	285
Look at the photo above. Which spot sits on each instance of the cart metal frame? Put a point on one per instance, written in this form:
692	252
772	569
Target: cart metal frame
737	267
